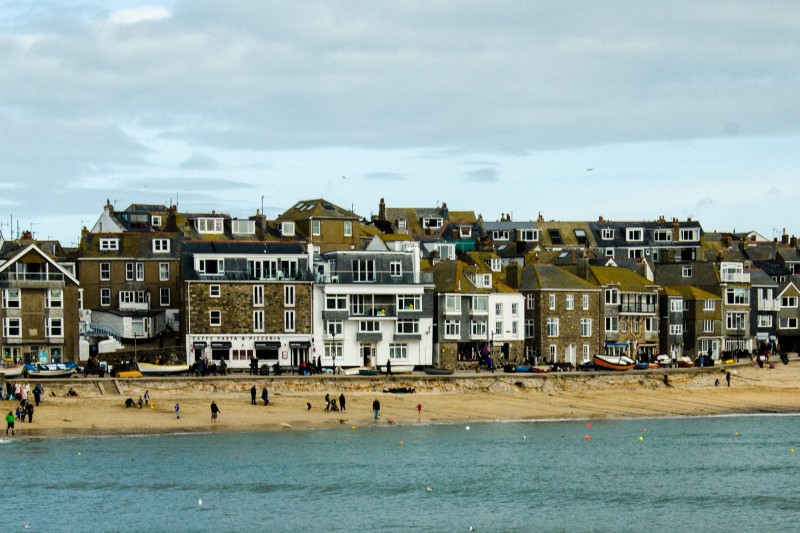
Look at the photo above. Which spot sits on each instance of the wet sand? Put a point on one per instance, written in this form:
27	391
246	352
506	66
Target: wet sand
467	398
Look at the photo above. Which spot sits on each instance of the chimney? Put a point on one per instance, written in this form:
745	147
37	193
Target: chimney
793	242
785	237
601	219
540	218
513	275
382	210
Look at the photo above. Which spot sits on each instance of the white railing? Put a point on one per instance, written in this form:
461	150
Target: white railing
735	277
769	305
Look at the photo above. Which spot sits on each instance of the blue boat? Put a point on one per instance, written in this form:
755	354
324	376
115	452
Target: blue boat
50	370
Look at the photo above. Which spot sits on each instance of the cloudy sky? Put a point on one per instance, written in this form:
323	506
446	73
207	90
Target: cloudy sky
572	109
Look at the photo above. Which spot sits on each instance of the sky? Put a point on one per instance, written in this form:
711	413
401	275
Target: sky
571	110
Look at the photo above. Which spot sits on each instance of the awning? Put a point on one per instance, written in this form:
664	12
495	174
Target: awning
621	344
220	345
198	344
267	345
762	336
300	344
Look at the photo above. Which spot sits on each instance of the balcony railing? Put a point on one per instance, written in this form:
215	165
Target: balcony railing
769	305
376	310
735	277
34	276
637	308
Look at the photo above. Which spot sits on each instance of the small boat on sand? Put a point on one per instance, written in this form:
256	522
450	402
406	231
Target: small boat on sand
12	371
613	362
149	369
433	371
50	370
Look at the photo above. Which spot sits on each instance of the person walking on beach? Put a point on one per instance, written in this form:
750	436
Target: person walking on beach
388	367
38	390
419	410
147	397
177	411
253	395
140	403
214	412
327	402
10	423
341	401
376	408
265	395
728	378
29	412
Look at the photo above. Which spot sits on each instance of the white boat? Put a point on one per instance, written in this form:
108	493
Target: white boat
12	371
613	362
51	370
149	369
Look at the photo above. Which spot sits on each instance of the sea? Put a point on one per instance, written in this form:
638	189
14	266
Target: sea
729	473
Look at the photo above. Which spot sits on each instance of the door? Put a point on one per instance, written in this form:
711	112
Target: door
367	354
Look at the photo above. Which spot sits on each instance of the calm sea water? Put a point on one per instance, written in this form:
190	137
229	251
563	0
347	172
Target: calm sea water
698	474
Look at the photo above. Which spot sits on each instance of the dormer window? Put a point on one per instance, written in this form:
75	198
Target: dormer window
243	227
161	246
208	225
287	229
607	234
686	271
634	234
529	235
662	235
555	236
432	223
109	245
155	221
401	224
690	234
465	232
446	251
493	263
500	235
580	236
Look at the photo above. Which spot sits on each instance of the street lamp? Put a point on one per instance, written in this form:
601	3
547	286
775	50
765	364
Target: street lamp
135	336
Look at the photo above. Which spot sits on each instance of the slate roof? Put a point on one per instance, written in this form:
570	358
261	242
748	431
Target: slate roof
626	280
767	269
566	232
688	292
131	244
538	276
704	274
317	208
649	228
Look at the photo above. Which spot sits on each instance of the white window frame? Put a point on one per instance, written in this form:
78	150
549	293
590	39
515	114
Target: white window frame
12	327
130	271
530	329
214	291
689	234
651	324
570	303
607	234
287	229
289	295
612	296
348	228
552	327
585	302
586	327
54	327
369	326
109	245
634	234
478	329
676	329
215	318
334	327
12	302
139	271
209	225
398	351
662	235
316	227
289	322
161	246
788	302
105	297
452	303
709	305
612	324
686	271
787	323
407	327
163	296
243	227
708	325
409	302
452	329
551	298
396	269
258	320
105	271
336	302
163	272
530	301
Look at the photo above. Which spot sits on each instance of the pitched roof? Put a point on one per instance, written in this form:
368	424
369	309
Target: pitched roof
538	276
316	208
688	292
627	280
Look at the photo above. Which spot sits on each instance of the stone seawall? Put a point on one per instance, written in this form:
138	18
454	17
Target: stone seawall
574	382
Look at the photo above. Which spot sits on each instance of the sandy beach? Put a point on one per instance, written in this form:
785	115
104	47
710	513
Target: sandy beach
99	408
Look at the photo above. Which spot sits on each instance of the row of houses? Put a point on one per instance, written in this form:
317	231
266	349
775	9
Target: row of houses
417	286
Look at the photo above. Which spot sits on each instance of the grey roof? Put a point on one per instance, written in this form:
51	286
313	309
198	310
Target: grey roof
539	276
760	278
704	274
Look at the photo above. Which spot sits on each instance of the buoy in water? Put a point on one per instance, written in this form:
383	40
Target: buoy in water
641	438
467	428
589	425
587	438
429	489
401	443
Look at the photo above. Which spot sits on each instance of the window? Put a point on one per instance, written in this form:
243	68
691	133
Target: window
160	246
336	302
552	327
650	325
129	271
11	299
409	302
788	301
635	253
105	297
12	327
155	221
478	329
612	297
407	327
433	223
686	271
480	304
736	321
398	351
498	327
586	352
607	234
585	302
553	352
53	327
452	303
348	228
333	350
139	271
737	296
288	295
662	235
498	308
133	297
612	324
316	228
452	328
105	271
514	327
708	325
500	235
215	318
552	301
211	266
109	245
363	270
555	235
288	321
609	252
446	251
529	235
369	326
634	234
676	306
163	296
708	305
401	224
333	327
530	301
287	229
80	299
243	227
395	269
530	329
514	309
580	236
586	327
464	232
690	234
213	291
570	302
163	271
787	323
676	329
208	225
764	321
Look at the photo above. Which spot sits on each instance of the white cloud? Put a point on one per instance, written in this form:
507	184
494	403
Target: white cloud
139	14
